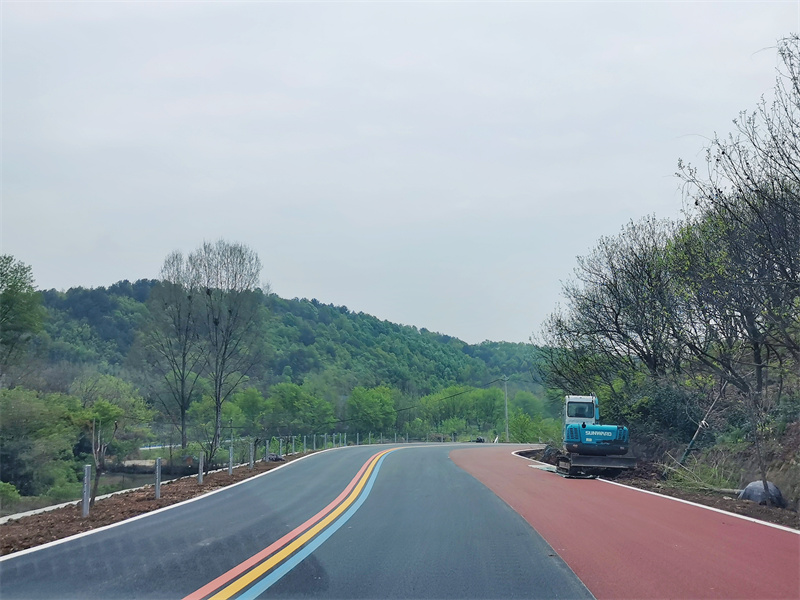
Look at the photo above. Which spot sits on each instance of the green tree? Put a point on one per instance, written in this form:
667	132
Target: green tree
37	435
21	313
528	403
371	409
254	409
294	410
520	427
454	425
203	418
115	417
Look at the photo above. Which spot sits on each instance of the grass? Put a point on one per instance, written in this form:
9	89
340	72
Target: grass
712	473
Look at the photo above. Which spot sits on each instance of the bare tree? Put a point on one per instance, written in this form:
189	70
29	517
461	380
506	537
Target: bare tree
618	309
752	182
742	304
227	275
172	341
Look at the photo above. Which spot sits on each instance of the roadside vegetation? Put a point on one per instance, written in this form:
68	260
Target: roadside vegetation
689	330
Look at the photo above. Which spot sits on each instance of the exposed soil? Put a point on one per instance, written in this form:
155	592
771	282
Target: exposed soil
35	530
41	528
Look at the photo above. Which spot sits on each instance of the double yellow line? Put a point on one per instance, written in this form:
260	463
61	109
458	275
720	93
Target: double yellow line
260	565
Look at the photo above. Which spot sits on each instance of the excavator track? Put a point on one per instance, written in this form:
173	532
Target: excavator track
565	468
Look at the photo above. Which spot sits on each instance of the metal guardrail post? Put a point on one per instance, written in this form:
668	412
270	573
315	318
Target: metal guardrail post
87	480
158	478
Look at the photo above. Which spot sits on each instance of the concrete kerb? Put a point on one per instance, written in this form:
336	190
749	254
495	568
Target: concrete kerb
45	509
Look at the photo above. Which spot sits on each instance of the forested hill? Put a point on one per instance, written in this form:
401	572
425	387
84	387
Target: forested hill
306	341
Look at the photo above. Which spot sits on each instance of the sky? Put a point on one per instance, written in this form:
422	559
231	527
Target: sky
435	164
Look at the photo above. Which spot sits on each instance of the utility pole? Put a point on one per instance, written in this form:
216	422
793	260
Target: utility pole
505	385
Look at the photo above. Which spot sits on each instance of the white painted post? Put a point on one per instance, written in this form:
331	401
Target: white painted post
315	441
158	478
252	454
200	469
230	459
292	444
87	480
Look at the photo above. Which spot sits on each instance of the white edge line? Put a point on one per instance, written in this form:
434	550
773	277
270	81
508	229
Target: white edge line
719	510
52	507
154	512
515	453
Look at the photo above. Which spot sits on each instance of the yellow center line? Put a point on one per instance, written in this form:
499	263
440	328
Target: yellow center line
275	559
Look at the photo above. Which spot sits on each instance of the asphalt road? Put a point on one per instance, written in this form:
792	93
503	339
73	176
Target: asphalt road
625	543
410	524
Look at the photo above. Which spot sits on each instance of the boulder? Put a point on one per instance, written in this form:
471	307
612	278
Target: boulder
755	492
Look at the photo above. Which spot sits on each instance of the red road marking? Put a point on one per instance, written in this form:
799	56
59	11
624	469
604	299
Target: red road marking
625	544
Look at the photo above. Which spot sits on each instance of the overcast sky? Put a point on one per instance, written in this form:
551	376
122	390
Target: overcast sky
437	164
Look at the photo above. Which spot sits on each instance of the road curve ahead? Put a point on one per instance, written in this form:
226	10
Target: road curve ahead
624	543
355	522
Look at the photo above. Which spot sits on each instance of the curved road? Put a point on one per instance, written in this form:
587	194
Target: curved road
427	529
418	521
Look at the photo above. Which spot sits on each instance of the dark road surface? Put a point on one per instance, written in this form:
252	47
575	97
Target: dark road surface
426	529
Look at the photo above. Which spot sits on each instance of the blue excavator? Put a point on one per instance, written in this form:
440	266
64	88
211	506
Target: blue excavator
592	449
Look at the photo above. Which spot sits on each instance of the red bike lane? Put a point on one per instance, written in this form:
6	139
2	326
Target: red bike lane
623	543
